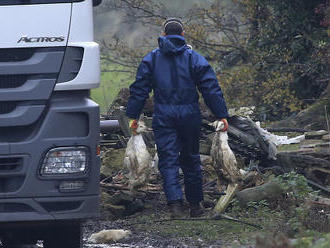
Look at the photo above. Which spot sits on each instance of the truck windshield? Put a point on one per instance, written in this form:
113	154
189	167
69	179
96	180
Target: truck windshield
26	2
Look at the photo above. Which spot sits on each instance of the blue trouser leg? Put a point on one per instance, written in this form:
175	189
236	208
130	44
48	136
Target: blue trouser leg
168	148
190	159
178	146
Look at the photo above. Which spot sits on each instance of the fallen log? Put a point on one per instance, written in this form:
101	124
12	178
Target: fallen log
292	160
270	190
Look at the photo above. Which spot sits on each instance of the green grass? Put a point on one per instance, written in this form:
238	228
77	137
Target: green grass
111	83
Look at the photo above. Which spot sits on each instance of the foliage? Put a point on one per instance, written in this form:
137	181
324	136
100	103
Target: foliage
272	54
323	242
309	242
289	213
295	185
287	47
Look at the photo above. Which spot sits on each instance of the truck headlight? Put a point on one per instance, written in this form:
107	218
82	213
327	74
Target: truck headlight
65	160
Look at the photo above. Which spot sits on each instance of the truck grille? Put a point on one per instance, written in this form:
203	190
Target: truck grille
11	174
10	164
12	81
61	206
27	79
7	107
15	207
16	54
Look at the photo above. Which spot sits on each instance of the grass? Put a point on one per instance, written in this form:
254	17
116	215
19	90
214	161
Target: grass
229	233
290	147
111	83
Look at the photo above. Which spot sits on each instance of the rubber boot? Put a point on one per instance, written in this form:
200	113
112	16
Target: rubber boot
196	210
176	210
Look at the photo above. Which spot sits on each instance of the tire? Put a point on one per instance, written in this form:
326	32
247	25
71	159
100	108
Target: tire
69	236
17	238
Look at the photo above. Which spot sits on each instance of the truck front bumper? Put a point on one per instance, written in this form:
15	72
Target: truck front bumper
49	209
70	119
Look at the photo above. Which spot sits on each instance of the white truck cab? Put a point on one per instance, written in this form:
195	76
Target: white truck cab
49	126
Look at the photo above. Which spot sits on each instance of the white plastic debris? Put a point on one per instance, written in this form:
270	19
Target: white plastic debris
279	140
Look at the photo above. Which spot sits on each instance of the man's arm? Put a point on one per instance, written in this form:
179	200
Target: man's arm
208	85
140	89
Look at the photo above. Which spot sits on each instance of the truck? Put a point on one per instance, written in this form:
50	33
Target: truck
49	126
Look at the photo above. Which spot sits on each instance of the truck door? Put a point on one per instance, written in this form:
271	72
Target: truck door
27	29
34	23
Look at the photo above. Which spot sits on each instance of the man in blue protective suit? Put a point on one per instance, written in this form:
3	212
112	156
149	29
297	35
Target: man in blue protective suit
174	72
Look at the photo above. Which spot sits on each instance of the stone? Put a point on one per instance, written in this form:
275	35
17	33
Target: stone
315	134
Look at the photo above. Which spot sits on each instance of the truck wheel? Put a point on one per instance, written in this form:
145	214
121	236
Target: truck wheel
64	237
16	239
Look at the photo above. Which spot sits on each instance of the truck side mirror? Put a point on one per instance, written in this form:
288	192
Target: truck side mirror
96	2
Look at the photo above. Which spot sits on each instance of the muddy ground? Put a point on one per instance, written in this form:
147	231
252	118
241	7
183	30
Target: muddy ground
149	231
285	222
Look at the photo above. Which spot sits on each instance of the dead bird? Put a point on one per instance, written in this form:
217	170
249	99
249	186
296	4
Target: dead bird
109	236
225	165
223	158
138	161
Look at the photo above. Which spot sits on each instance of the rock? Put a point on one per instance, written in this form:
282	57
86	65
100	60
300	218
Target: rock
109	236
315	134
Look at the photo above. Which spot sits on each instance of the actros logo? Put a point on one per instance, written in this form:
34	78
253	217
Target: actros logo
40	39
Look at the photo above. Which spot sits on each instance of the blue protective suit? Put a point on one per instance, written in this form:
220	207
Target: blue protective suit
174	72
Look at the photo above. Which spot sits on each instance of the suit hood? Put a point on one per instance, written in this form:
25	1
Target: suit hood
172	44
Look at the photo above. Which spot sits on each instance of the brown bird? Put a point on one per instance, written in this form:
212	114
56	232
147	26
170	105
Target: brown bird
225	164
224	160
